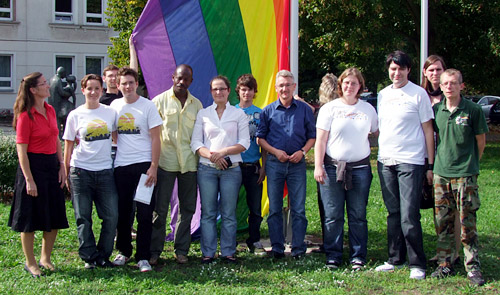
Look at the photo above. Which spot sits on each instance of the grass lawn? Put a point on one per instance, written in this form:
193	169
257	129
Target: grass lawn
260	275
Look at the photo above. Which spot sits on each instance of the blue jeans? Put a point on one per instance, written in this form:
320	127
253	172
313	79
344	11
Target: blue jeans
211	182
402	190
294	174
334	196
99	187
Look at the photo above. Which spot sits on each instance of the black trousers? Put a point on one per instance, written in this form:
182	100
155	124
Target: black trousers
126	179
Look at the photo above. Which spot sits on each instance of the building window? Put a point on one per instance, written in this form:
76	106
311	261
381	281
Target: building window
94	12
6	10
67	62
63	11
6	71
93	65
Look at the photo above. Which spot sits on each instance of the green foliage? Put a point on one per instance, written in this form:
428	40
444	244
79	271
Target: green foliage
336	34
122	17
8	162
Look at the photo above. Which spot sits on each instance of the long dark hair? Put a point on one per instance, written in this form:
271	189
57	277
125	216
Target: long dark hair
428	62
25	99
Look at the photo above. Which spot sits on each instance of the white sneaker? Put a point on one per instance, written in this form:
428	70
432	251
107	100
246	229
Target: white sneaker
120	260
388	267
144	266
417	273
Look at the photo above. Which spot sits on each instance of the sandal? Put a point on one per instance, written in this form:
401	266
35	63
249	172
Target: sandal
230	259
207	260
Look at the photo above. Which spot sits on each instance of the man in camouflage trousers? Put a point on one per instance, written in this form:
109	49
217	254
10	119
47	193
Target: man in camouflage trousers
461	129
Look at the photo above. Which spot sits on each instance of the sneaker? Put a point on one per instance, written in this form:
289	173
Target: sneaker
442	272
388	267
120	260
181	259
144	266
332	264
90	265
417	273
357	264
476	277
104	263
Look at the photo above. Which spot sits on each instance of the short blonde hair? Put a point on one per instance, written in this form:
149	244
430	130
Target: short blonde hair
328	88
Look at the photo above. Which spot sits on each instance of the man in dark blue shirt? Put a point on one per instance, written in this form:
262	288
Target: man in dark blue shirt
286	131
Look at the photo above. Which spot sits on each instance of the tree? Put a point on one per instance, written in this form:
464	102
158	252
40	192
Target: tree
122	17
335	34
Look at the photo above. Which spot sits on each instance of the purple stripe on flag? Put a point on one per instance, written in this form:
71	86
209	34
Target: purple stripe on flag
191	45
153	48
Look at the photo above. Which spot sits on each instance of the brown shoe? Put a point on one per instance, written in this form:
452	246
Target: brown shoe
181	259
154	260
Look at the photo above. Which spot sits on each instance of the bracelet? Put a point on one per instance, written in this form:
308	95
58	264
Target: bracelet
304	152
430	167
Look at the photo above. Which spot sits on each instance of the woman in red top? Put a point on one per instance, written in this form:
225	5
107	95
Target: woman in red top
38	202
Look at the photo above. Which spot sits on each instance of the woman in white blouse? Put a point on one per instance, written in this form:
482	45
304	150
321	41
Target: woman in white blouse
220	135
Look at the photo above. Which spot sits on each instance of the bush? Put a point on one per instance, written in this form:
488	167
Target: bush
8	162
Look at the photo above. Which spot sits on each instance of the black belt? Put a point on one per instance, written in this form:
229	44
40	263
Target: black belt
254	164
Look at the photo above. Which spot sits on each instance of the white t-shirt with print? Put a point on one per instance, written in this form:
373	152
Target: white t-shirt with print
349	126
401	112
133	124
92	128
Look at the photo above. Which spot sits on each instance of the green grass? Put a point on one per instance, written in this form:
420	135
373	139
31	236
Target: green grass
258	275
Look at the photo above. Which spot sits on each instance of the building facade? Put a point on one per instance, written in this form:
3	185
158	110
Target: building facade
41	35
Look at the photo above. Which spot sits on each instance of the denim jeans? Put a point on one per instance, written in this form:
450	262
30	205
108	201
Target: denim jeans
402	190
294	174
213	182
99	187
334	196
127	178
187	195
250	176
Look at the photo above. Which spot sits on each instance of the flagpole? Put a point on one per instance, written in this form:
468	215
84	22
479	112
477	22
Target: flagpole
424	27
294	40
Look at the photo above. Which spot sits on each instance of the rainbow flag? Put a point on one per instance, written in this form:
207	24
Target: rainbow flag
215	37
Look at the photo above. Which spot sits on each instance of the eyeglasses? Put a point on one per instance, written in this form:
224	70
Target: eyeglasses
287	85
347	83
219	89
452	83
42	84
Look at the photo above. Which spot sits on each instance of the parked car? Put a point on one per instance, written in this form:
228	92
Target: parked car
370	98
495	113
486	102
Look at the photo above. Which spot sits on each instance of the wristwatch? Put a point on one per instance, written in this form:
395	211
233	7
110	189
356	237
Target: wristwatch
304	152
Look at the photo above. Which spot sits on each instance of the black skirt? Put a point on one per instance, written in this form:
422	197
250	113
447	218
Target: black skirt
45	212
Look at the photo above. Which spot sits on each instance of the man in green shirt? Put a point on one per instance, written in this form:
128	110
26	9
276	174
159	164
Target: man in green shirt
461	129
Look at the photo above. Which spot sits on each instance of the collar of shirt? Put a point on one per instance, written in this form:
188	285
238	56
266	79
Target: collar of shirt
460	106
279	104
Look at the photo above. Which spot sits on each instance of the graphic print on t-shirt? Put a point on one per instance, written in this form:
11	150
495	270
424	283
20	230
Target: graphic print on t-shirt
253	120
97	130
126	125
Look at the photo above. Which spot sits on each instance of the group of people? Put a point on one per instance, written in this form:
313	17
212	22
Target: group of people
222	147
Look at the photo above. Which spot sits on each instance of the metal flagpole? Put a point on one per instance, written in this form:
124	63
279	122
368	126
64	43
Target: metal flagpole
424	34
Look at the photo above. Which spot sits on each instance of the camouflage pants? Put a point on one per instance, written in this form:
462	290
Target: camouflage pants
456	195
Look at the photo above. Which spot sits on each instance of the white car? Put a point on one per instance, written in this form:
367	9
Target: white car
486	102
